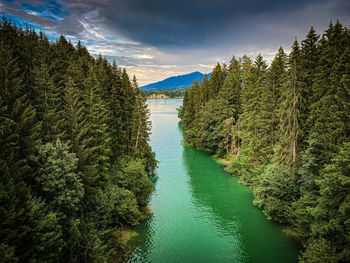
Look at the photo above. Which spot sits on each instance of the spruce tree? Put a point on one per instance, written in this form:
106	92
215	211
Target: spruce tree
329	113
204	93
76	126
251	130
230	98
309	61
48	103
331	214
141	121
215	82
22	130
276	78
97	139
115	124
290	128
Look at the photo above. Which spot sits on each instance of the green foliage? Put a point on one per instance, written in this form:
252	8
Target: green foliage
318	251
129	174
215	82
302	217
290	128
283	128
275	192
210	134
65	119
329	112
57	180
121	203
332	217
241	166
311	165
7	254
46	232
12	214
48	104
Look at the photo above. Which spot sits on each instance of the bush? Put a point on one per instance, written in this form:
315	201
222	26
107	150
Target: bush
242	167
130	174
275	192
120	205
318	251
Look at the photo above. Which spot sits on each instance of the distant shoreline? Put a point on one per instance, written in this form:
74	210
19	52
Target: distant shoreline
152	98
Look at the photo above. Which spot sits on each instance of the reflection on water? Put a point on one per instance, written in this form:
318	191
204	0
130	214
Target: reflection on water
200	213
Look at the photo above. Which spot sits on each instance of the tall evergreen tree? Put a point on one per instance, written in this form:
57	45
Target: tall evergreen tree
250	124
276	78
21	132
97	139
290	128
309	61
329	113
75	124
48	105
230	99
216	81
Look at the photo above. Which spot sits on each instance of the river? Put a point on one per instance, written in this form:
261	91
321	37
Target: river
200	212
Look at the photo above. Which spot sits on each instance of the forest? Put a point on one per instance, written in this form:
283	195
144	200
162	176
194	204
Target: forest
75	163
285	130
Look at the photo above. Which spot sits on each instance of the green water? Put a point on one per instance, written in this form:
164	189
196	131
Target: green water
200	212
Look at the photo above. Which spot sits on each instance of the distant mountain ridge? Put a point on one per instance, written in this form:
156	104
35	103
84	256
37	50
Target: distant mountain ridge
175	82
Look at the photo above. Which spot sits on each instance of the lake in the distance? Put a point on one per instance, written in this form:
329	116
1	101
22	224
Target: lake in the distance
200	212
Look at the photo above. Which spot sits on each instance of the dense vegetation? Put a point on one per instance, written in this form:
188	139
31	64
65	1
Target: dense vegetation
286	130
75	159
176	93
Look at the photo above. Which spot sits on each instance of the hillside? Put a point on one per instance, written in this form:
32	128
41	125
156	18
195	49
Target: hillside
176	82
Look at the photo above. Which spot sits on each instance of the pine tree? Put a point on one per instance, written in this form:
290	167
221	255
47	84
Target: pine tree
97	139
308	63
75	124
329	113
190	114
21	131
115	124
48	105
290	128
230	98
262	141
142	125
13	219
250	124
46	232
215	82
203	87
332	220
61	55
276	78
128	104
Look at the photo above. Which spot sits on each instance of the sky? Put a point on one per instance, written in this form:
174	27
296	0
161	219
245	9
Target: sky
156	39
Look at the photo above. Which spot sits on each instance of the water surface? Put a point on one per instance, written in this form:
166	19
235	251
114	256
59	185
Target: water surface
200	212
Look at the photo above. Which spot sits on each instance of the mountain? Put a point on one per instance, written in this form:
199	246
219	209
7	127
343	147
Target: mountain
176	82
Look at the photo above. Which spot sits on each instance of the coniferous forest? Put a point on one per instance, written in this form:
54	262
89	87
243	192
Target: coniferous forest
285	129
75	159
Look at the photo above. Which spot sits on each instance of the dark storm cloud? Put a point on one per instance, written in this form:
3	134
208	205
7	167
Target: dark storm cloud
174	23
159	38
182	23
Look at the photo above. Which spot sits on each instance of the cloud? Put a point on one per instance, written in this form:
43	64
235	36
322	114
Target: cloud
145	56
156	38
206	66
